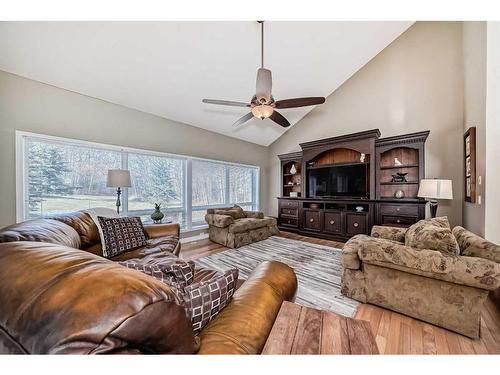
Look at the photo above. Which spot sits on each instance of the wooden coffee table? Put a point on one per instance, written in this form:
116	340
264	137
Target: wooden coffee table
303	330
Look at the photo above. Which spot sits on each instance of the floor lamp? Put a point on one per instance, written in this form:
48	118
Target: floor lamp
118	178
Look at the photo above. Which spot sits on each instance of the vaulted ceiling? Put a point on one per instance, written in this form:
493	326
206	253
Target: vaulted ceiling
166	68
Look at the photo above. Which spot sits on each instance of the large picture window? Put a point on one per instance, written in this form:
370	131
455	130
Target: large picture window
58	175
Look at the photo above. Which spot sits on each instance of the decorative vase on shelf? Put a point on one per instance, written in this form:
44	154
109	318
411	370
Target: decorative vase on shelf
293	170
157	215
399	194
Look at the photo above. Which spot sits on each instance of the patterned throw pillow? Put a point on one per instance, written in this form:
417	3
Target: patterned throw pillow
174	272
205	299
121	235
202	300
432	234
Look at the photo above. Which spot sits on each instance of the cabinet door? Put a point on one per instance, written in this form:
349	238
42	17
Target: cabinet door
356	223
289	221
332	222
312	220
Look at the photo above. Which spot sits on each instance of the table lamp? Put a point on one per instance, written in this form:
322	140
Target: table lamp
434	189
118	178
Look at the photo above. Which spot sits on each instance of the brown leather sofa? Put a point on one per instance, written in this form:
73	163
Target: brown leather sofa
59	296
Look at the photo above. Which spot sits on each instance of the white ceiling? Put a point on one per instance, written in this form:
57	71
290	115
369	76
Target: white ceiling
166	68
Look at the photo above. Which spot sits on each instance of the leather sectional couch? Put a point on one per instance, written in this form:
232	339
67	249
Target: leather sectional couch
59	295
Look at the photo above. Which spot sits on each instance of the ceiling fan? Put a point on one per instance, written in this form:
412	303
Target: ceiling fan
263	104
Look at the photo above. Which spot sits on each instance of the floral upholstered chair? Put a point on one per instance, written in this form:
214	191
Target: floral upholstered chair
234	227
427	271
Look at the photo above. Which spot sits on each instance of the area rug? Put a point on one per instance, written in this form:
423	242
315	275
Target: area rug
318	269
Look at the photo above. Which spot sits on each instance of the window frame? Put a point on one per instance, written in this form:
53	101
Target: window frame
187	207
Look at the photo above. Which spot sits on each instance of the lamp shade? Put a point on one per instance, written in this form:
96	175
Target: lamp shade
435	189
118	178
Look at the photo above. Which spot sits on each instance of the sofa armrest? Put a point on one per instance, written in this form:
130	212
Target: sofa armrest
474	272
472	245
162	230
389	233
254	214
244	325
350	258
220	221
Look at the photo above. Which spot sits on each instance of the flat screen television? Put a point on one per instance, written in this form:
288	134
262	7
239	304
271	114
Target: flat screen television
338	181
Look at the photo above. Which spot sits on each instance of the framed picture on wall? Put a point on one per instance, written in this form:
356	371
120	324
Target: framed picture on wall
470	164
467	146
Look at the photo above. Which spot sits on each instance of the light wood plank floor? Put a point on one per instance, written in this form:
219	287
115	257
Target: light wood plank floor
396	333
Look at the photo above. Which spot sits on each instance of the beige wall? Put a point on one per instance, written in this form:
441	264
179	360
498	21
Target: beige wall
474	55
415	84
492	221
35	107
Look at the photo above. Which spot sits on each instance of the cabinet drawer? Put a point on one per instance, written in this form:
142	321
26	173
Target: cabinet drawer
398	209
289	221
332	222
289	211
294	204
356	223
312	220
399	221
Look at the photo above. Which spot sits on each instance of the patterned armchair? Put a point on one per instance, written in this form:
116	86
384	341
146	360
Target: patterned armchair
437	286
233	227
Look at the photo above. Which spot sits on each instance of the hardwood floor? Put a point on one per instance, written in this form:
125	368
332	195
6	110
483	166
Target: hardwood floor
396	333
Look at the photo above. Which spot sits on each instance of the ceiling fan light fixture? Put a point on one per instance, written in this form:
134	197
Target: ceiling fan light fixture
262	111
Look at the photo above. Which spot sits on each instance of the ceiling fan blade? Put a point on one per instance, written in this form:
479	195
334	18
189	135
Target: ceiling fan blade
279	119
243	119
264	85
299	102
225	102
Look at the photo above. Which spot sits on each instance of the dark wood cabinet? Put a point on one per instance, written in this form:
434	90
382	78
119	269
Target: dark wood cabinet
341	218
356	223
312	220
332	222
399	214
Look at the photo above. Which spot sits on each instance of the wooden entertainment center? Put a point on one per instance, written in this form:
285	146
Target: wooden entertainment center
394	167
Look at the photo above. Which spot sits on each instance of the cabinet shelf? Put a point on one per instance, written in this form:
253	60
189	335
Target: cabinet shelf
400	166
335	165
400	183
289	186
291	174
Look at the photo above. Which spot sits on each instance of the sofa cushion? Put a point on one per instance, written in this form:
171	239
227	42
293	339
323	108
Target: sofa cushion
247	224
474	246
235	212
83	223
254	214
389	233
162	248
173	271
432	234
121	235
41	230
220	221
